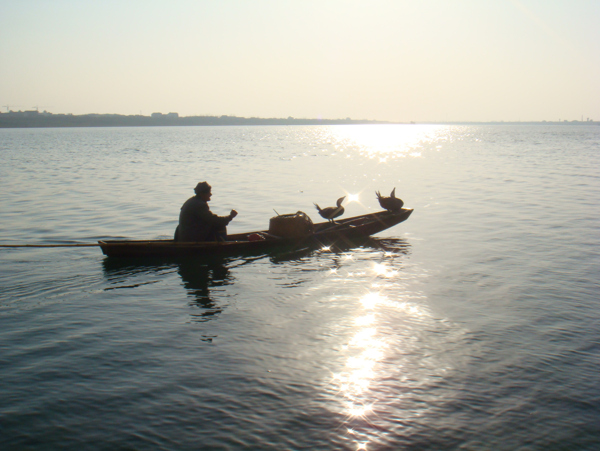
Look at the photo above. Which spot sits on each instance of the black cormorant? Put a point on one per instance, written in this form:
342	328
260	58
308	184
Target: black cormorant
330	213
391	203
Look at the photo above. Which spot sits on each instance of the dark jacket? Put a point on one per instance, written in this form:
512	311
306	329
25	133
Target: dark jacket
198	223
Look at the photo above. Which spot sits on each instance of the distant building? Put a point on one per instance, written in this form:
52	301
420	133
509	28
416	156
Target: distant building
31	113
164	116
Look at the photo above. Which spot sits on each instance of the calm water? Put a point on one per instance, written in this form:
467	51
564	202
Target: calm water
473	325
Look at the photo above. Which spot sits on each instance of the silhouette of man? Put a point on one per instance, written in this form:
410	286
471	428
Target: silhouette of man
197	222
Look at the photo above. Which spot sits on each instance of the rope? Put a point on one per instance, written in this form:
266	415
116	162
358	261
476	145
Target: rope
51	245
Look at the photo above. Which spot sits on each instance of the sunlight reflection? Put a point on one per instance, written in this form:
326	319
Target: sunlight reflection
389	141
361	367
359	411
374	299
370	300
367	350
364	320
411	309
363	336
374	354
383	270
353	198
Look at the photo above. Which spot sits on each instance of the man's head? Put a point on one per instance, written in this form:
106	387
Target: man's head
203	190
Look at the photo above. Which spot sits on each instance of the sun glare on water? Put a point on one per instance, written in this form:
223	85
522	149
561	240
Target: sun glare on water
388	141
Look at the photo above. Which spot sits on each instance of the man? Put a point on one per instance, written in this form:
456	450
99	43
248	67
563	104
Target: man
197	222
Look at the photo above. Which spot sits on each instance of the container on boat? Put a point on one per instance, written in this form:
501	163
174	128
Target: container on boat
293	225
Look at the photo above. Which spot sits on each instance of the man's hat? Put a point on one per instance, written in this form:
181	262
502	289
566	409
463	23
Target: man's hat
202	187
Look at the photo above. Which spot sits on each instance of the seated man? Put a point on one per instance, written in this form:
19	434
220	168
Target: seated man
197	222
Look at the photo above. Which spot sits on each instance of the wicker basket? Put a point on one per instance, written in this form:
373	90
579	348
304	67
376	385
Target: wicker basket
294	225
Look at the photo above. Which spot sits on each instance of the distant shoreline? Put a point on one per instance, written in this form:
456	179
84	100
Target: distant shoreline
35	119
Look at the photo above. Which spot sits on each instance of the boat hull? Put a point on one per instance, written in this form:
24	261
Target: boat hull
345	231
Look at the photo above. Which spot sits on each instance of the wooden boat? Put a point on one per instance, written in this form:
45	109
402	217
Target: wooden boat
344	231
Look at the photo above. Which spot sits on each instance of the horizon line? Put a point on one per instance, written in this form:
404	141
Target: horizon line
173	116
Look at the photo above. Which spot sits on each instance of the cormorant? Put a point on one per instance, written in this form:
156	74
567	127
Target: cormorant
330	213
391	203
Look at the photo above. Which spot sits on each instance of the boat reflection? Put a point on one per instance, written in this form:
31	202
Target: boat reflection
200	277
121	273
390	247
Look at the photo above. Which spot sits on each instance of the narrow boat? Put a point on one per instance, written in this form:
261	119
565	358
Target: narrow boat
345	231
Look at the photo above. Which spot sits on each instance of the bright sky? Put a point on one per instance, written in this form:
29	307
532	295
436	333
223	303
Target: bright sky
397	60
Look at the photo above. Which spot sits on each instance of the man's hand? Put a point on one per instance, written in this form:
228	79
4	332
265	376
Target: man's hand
233	214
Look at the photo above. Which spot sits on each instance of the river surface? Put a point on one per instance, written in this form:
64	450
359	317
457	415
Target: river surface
473	325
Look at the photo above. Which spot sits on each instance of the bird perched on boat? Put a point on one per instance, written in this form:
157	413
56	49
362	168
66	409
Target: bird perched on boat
330	213
391	203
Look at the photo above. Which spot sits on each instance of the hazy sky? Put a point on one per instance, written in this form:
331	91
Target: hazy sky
413	60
